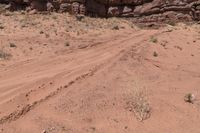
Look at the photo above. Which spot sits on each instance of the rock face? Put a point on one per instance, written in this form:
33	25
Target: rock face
147	9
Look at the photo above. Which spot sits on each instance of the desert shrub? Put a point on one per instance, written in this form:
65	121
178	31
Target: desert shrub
137	103
4	55
153	39
155	54
12	45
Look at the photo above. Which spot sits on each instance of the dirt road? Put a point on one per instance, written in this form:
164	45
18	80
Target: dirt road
126	80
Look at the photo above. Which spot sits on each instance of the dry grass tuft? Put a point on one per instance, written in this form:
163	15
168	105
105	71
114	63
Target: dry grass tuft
153	39
190	98
137	102
4	55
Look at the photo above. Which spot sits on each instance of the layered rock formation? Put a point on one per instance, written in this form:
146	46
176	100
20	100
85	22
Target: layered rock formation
177	9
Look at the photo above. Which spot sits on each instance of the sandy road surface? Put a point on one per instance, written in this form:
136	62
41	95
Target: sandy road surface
89	86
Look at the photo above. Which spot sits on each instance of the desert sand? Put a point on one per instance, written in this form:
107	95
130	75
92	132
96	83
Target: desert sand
60	75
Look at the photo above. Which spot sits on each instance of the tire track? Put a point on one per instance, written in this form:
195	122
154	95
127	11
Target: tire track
116	51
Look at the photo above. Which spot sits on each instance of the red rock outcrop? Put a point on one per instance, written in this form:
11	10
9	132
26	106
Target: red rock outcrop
149	9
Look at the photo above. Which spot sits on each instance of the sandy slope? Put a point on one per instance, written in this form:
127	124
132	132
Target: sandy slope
87	86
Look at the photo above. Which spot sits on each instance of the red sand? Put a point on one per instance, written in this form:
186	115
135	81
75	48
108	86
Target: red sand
48	86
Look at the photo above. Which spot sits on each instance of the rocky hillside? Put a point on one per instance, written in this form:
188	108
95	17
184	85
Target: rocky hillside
148	10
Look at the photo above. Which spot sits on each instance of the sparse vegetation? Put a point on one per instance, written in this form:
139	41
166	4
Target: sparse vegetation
4	55
178	47
7	14
47	35
153	39
155	54
12	45
116	27
137	102
164	44
1	27
41	32
67	44
54	17
189	98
